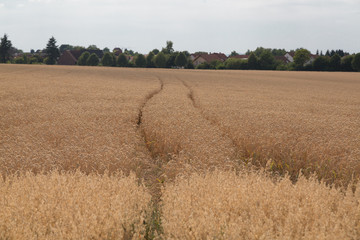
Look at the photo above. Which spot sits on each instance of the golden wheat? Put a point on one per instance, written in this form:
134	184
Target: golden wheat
308	121
72	206
68	118
171	127
224	205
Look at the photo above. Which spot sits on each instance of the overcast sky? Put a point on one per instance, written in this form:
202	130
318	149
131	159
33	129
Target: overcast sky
193	25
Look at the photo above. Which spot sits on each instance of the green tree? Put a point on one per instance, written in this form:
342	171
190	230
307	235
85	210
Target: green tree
160	60
106	49
170	59
150	60
155	51
267	60
253	62
259	50
93	47
93	60
321	63
122	60
278	52
140	61
180	60
190	65
82	61
107	59
64	47
301	57
5	47
52	51
79	48
335	62
356	62
169	48
233	54
346	63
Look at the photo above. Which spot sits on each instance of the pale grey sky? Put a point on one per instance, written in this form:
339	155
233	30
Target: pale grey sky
193	25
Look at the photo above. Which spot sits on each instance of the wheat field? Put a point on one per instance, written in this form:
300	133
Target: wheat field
110	153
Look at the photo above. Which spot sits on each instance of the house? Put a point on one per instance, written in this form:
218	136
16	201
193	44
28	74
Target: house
209	58
67	58
282	59
70	57
193	56
312	59
117	51
290	58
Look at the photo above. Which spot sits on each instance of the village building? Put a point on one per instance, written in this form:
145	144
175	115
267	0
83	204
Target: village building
117	51
70	57
67	58
208	58
290	58
282	59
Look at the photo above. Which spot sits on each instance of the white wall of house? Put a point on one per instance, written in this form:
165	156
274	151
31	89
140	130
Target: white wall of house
199	61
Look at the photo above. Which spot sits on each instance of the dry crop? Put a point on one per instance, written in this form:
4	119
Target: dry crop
224	205
68	118
292	121
72	206
181	132
177	133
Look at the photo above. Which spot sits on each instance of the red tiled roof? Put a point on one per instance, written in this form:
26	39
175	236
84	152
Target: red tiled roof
291	54
282	58
67	58
212	57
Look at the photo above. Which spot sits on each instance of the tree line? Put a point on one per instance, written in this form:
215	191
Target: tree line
167	57
265	59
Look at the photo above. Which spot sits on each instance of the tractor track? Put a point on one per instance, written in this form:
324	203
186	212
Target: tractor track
147	99
153	220
212	121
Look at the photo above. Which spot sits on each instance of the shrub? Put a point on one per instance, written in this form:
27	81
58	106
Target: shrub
122	60
107	59
204	65
93	60
82	61
233	63
140	61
